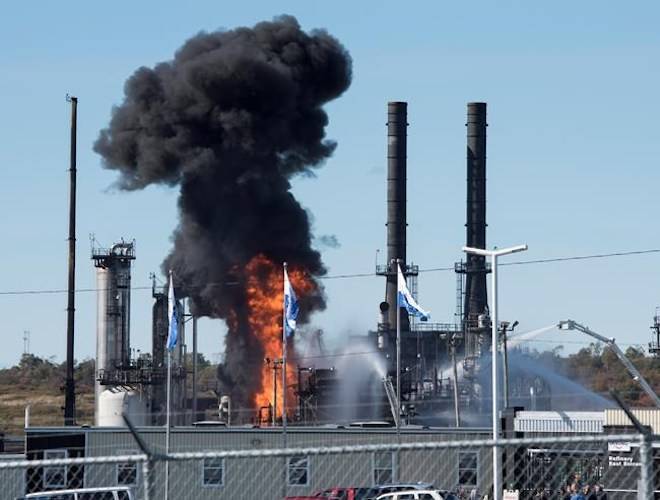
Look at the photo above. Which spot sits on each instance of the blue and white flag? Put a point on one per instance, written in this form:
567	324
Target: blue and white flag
290	306
172	316
406	299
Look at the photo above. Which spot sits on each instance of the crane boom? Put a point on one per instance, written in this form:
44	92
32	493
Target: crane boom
636	375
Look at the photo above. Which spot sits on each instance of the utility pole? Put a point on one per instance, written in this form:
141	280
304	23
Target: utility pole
497	458
69	385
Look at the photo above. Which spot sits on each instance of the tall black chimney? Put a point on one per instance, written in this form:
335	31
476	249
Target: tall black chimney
397	123
69	383
476	301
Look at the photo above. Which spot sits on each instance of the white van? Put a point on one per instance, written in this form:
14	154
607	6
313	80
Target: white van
112	493
413	495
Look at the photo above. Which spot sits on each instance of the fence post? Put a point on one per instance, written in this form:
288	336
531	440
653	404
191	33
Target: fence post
645	489
146	477
645	486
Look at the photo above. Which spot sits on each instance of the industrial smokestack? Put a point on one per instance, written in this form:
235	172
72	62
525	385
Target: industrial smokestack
397	124
476	301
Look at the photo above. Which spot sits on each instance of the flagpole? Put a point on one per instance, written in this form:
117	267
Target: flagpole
285	468
170	307
398	349
167	422
398	367
284	349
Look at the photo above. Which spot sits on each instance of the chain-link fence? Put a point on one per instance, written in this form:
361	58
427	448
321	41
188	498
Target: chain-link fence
598	467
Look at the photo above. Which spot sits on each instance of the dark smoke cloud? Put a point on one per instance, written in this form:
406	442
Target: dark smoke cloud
230	120
328	241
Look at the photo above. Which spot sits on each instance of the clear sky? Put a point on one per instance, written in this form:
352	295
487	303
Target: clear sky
573	158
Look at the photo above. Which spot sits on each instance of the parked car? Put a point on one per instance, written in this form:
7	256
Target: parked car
112	493
336	494
375	491
344	493
414	495
312	497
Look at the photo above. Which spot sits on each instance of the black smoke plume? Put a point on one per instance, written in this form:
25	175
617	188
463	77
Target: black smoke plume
231	119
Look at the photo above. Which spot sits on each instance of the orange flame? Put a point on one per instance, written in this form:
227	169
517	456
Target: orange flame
265	297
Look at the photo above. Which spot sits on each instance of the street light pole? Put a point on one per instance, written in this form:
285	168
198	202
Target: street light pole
494	254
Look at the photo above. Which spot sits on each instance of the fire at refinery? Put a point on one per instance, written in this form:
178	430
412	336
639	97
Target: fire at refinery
230	120
263	281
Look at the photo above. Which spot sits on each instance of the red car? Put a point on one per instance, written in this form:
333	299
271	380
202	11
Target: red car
336	494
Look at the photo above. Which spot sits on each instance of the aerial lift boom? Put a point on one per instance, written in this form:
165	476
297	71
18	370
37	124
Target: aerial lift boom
572	325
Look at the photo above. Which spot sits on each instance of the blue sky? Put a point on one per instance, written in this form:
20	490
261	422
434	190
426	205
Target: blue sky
573	155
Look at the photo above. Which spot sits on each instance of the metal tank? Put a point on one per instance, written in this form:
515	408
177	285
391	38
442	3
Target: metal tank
119	401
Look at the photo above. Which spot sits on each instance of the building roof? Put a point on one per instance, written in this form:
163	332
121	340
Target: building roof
646	416
588	422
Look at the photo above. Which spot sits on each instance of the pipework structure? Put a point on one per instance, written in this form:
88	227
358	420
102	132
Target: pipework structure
157	382
654	345
423	346
134	383
113	316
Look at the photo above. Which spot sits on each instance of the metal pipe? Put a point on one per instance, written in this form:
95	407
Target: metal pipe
27	416
497	459
274	392
646	476
70	384
194	370
397	124
300	399
397	472
453	360
167	419
102	332
505	386
284	355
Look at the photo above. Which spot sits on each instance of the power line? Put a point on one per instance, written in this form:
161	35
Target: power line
581	257
365	275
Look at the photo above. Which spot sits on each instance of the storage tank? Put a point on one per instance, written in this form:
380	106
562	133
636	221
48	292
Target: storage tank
115	402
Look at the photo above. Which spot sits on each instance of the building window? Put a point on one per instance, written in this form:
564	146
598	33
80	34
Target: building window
383	465
127	472
468	468
55	475
213	471
298	471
